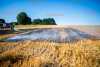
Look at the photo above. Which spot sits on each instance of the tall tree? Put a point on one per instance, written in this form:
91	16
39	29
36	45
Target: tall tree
22	18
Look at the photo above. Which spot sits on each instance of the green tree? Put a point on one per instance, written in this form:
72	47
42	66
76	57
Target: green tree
37	21
22	18
45	21
52	21
49	21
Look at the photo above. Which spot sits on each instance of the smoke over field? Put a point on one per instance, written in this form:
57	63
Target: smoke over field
54	34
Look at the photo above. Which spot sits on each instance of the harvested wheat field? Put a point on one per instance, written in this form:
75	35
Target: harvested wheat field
85	53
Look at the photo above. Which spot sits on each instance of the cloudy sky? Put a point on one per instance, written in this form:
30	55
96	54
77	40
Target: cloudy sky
75	12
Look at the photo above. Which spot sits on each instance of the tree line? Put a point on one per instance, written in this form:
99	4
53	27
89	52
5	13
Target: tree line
24	19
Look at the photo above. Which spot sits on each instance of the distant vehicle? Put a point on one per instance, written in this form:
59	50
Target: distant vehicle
5	27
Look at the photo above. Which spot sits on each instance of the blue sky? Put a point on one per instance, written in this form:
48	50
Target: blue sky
65	12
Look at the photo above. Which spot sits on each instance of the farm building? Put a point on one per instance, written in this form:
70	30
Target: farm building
5	27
